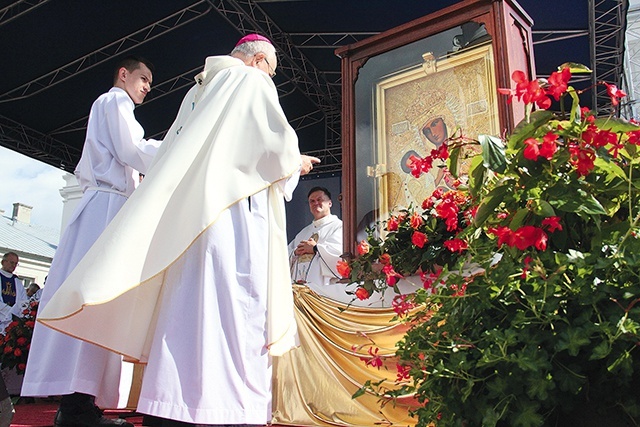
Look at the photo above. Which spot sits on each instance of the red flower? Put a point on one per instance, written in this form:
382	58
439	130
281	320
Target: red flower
362	294
504	235
553	222
614	93
21	341
17	352
401	306
343	268
8	349
448	211
427	203
530	91
374	360
582	158
548	147
392	275
385	259
529	235
419	239
634	137
21	367
363	247
558	83
416	220
403	373
392	224
604	138
456	245
531	150
442	152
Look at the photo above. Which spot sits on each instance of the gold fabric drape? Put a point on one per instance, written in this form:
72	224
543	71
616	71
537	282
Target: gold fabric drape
313	383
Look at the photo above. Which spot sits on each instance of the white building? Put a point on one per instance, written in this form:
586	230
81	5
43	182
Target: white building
35	245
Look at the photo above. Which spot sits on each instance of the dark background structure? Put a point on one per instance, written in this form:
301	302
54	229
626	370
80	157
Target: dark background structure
57	56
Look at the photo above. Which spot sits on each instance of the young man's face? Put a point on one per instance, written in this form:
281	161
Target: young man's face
137	83
10	264
319	204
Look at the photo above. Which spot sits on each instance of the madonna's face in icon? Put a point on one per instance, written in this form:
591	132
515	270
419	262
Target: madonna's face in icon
435	130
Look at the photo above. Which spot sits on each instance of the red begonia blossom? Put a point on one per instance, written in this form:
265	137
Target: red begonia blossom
343	268
456	245
614	93
363	247
558	83
362	294
416	220
504	235
401	305
531	150
385	259
582	158
392	275
448	211
553	223
529	235
374	360
549	146
404	373
393	223
419	239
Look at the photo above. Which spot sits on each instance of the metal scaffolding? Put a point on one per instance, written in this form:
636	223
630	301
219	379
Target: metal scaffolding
606	34
607	25
630	105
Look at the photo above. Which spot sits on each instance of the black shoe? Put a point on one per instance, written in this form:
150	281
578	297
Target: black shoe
151	421
173	423
88	418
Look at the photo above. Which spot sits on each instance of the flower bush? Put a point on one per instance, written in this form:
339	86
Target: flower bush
417	242
549	331
17	339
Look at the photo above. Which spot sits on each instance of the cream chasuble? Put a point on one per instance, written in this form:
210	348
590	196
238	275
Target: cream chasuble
230	140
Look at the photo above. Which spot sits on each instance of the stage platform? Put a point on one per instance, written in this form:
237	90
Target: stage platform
40	413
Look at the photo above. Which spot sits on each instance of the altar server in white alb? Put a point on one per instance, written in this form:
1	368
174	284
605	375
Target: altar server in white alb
205	298
316	249
114	154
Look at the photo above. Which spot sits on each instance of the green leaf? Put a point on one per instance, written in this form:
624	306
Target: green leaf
575	68
452	162
572	340
615	124
538	388
527	414
518	218
600	351
477	172
576	115
575	200
493	153
543	208
525	129
612	169
490	202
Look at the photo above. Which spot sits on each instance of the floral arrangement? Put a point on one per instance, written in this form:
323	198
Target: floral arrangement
417	242
548	333
17	339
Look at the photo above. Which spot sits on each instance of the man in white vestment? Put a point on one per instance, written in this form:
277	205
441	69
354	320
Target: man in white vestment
316	249
13	291
205	298
114	154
